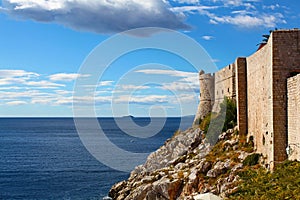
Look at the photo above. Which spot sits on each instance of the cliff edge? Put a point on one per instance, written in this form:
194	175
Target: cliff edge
186	165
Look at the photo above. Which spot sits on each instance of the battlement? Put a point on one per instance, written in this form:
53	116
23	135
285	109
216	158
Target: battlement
203	75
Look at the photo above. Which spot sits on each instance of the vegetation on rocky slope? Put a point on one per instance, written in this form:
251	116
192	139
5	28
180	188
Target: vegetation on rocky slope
187	164
283	183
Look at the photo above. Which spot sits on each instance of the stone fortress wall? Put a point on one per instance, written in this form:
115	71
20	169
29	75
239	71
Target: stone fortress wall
293	86
224	85
260	84
260	101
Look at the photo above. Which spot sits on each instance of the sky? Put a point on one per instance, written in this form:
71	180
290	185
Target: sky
45	43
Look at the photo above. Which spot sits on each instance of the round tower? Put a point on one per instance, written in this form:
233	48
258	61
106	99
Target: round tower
207	91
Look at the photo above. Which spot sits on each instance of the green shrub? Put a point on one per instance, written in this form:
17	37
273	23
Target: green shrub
214	123
228	106
205	122
283	183
251	160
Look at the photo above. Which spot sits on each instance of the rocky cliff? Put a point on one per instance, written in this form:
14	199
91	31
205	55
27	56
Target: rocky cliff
185	166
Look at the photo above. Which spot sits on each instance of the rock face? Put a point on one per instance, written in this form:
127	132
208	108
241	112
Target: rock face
184	166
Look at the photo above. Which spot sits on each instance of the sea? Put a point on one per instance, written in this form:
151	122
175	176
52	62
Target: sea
44	158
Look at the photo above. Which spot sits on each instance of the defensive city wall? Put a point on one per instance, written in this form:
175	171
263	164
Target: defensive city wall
266	89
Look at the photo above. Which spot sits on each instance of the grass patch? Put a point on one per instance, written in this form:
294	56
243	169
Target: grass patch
283	183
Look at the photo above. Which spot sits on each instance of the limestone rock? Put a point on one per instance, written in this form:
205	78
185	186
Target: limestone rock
113	193
179	169
219	168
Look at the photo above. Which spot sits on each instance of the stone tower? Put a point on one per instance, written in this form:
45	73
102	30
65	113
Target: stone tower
207	91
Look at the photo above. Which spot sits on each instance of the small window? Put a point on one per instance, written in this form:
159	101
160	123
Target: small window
228	90
229	66
267	133
222	92
264	140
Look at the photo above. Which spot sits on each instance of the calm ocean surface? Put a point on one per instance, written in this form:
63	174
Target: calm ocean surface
43	158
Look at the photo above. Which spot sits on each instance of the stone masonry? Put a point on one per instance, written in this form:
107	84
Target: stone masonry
224	85
294	117
260	84
207	82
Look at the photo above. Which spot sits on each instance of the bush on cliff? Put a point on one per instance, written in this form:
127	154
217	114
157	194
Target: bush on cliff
283	183
226	119
204	125
251	160
228	106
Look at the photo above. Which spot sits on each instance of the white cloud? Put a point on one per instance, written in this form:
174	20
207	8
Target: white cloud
187	1
186	98
43	84
83	100
16	73
192	9
105	83
63	92
175	73
233	2
23	78
142	99
249	21
185	84
272	7
7	81
17	95
99	16
43	101
133	87
127	89
242	12
67	77
10	88
8	77
22	87
207	37
249	13
188	81
249	6
16	103
104	16
211	21
180	86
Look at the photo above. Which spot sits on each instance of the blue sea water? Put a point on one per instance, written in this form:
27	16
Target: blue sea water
43	158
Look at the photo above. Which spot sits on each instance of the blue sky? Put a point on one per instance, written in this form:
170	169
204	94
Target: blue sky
44	43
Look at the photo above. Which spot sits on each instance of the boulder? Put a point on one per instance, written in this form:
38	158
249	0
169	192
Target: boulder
219	168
